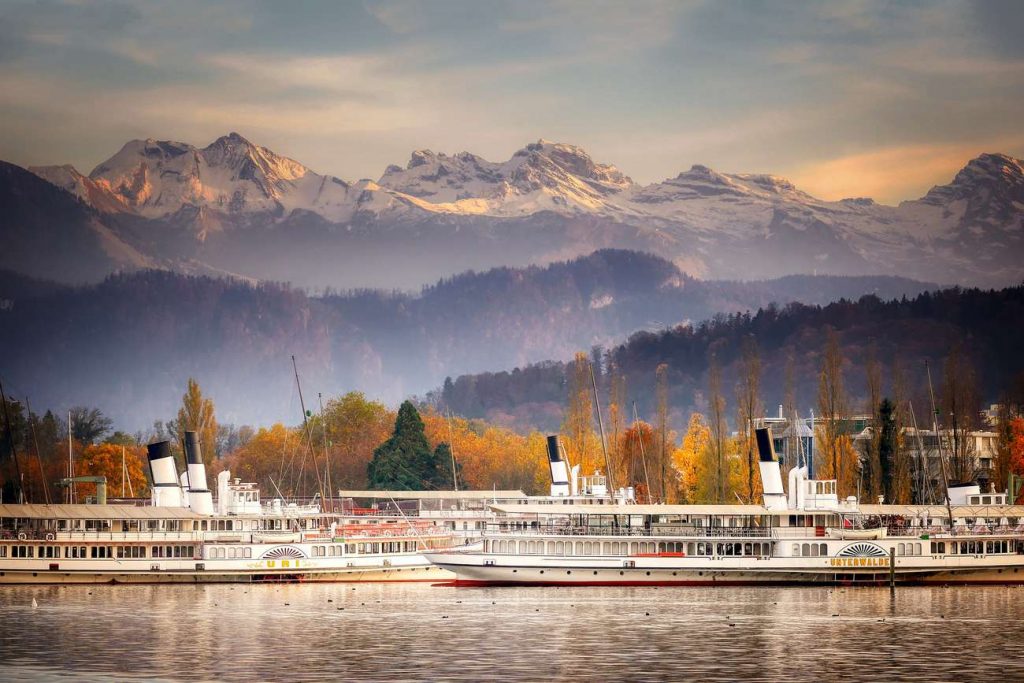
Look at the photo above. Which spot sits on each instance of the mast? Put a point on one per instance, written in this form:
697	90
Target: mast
451	448
327	459
14	449
643	456
305	427
938	440
71	463
39	458
604	444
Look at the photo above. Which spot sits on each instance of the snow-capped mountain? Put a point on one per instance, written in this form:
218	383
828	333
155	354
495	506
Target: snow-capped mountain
543	176
445	213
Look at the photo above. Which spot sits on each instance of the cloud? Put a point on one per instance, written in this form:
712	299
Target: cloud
891	174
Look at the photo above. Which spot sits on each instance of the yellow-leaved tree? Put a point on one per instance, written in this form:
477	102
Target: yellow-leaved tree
196	415
686	458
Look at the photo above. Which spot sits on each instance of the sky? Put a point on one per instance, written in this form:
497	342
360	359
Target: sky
846	99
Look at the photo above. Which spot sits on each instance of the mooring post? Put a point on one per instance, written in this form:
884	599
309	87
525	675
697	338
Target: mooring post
892	567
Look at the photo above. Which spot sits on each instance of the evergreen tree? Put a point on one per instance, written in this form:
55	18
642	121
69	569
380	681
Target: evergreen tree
886	441
405	461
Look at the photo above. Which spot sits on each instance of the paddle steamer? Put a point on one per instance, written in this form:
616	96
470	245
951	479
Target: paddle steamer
584	535
184	536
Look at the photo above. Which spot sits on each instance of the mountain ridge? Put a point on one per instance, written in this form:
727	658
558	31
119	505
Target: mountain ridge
546	202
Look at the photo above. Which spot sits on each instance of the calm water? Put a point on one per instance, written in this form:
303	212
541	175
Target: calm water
422	632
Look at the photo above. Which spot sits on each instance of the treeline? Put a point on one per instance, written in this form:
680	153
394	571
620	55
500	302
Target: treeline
899	333
131	337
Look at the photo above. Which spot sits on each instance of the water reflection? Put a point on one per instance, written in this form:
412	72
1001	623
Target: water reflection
421	632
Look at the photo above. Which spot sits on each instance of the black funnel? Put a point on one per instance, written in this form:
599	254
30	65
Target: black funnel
193	455
765	447
158	450
554	452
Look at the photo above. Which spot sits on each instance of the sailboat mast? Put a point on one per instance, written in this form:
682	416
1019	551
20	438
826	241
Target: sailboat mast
305	427
604	443
938	440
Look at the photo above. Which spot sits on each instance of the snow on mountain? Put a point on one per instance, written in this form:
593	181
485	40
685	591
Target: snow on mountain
543	176
231	177
552	200
69	179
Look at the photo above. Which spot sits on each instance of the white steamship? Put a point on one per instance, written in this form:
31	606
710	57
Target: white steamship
186	536
584	534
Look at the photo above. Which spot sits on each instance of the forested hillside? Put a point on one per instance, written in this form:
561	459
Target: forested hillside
123	344
986	326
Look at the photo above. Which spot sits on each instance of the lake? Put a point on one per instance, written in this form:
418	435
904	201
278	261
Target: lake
400	632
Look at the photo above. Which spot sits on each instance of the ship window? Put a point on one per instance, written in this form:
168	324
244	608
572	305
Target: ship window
988	547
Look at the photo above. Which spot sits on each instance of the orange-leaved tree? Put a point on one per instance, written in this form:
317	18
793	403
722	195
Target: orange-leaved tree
105	460
1017	452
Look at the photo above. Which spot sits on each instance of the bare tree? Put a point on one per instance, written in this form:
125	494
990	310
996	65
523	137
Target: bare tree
960	409
661	391
871	471
749	409
578	424
899	488
837	454
716	419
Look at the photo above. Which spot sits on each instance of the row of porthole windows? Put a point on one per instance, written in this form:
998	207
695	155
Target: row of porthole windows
623	548
327	550
908	549
810	550
229	553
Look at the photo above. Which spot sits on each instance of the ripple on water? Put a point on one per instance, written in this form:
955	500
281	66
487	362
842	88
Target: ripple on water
421	632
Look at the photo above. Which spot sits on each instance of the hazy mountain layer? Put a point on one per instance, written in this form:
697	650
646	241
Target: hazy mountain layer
128	344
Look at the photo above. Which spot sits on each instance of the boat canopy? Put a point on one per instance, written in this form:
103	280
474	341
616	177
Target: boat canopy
81	511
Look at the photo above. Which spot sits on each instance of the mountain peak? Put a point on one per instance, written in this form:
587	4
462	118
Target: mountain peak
989	177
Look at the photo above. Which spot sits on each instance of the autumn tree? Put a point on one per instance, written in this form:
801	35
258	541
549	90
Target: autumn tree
1016	463
638	442
661	425
686	459
491	457
716	467
261	460
581	441
839	458
750	409
351	428
105	460
196	415
617	414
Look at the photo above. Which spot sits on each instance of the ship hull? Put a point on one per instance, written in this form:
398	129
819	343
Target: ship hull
354	575
470	570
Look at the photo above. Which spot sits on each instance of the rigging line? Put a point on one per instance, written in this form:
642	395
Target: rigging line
39	458
327	459
284	447
309	451
604	443
309	436
643	454
942	459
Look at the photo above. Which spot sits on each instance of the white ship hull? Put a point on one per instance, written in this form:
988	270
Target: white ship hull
401	568
487	569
